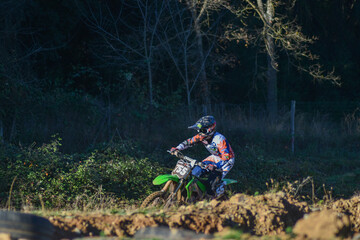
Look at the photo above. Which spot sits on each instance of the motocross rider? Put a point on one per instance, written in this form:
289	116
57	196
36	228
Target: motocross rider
222	156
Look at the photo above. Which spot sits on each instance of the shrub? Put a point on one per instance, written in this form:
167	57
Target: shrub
47	177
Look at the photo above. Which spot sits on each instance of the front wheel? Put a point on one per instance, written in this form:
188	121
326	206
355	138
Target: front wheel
156	199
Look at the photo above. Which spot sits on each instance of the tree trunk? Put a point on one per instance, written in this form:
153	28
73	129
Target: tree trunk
271	90
150	83
205	93
203	79
272	107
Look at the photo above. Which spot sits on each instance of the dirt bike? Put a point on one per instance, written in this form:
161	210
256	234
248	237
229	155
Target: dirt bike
181	187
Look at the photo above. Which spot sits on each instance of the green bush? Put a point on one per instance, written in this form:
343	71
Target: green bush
45	176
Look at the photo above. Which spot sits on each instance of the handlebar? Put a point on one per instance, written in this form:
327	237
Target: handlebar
180	155
192	161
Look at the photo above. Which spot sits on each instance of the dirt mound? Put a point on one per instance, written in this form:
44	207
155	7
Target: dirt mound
268	214
350	207
325	224
96	224
260	215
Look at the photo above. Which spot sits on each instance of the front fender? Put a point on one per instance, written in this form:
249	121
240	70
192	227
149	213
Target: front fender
164	178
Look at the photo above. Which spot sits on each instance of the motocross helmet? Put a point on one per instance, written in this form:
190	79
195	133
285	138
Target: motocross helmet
205	126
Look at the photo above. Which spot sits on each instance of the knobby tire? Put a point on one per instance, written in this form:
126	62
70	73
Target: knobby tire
152	197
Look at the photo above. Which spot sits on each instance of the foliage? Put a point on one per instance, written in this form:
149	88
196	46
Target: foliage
110	172
45	176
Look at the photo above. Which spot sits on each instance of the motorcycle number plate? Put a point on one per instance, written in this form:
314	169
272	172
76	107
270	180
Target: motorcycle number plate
180	170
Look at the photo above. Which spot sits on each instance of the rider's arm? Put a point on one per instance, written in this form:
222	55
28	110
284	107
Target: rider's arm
190	142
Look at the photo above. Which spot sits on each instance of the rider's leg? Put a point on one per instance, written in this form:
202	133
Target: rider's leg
213	160
213	180
214	176
227	166
210	160
220	189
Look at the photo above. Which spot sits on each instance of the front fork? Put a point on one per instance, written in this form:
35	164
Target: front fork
176	192
172	195
166	186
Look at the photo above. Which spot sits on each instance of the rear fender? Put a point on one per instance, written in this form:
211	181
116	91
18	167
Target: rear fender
229	181
164	178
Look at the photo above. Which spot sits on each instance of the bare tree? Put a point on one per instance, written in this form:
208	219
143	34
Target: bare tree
128	33
175	38
179	39
266	13
135	34
279	33
200	11
197	11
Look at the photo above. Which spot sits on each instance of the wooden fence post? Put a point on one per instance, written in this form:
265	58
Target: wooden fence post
293	126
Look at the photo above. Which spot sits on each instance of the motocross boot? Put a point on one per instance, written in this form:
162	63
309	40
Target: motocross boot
220	190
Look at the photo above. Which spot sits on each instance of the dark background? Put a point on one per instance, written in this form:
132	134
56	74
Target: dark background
58	74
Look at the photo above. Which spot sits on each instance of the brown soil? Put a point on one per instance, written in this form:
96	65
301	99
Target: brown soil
270	214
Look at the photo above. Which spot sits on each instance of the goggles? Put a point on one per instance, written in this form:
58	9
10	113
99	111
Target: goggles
202	130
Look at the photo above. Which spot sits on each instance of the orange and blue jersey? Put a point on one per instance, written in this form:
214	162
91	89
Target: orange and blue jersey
218	145
222	155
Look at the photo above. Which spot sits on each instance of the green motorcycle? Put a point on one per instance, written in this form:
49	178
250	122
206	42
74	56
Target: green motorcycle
181	187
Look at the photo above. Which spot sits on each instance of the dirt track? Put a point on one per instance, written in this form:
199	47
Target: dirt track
270	214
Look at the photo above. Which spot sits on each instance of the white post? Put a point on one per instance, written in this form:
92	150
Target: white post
292	125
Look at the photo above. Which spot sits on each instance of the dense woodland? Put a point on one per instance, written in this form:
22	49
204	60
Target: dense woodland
79	75
139	58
